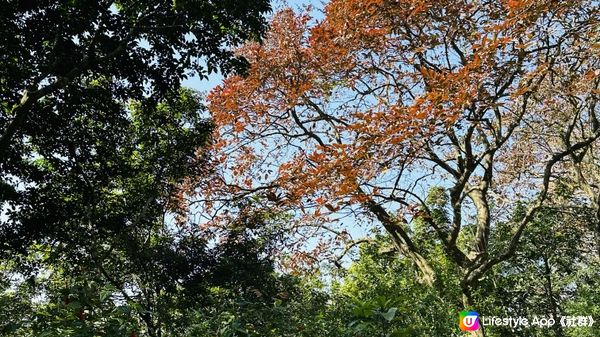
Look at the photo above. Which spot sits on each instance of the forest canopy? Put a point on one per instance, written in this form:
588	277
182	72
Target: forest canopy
377	169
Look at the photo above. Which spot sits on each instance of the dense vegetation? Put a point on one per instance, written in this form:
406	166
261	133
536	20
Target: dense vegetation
371	173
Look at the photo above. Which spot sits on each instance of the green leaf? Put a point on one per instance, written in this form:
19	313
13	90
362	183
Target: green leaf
107	292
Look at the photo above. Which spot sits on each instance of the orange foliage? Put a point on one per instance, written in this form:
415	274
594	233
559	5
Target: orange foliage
332	110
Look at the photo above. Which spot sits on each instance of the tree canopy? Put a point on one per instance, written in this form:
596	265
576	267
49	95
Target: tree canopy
372	172
354	119
96	137
92	111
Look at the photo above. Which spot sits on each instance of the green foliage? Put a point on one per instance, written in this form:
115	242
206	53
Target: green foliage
172	289
384	298
552	275
97	137
68	72
95	221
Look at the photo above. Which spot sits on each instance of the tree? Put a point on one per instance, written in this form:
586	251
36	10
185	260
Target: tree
96	138
175	286
355	116
97	218
139	47
381	296
70	63
551	270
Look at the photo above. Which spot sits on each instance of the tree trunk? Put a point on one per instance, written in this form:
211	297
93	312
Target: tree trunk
402	242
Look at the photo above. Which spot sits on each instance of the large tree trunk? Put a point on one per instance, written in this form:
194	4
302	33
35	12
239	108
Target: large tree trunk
402	242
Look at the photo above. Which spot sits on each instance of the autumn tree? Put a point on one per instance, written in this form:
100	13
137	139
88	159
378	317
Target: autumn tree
353	120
